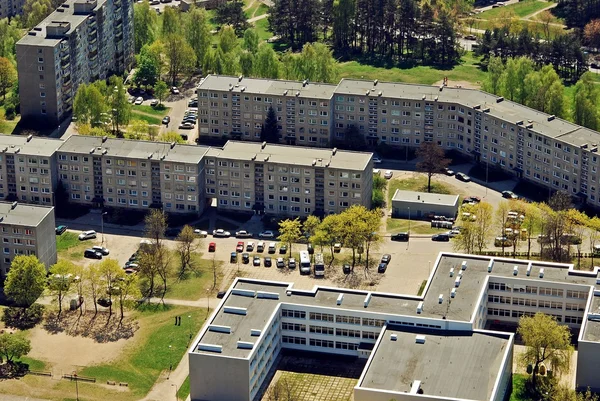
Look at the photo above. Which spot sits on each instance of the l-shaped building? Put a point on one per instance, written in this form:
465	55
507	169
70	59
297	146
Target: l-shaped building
438	346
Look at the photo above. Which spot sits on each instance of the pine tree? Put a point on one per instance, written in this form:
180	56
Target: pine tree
270	130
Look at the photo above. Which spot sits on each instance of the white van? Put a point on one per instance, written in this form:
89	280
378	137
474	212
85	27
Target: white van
319	265
304	262
260	247
272	247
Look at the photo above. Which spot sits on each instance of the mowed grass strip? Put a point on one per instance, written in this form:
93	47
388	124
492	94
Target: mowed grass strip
159	111
521	9
195	285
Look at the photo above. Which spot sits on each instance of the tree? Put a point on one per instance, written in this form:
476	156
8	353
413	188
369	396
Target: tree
270	129
531	223
593	235
148	69
144	24
372	225
197	33
546	342
186	246
310	225
152	256
585	101
502	220
111	275
13	346
171	137
128	293
171	22
120	106
495	69
8	76
34	11
246	62
25	281
161	91
432	161
266	63
290	232
546	18
60	280
483	227
181	58
89	106
251	40
232	13
591	33
9	35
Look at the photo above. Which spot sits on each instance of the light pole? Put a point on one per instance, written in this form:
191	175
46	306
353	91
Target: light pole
170	361
409	221
208	300
102	224
190	327
76	386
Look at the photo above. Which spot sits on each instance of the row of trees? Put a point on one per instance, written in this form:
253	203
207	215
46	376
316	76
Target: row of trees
563	52
517	79
356	228
422	31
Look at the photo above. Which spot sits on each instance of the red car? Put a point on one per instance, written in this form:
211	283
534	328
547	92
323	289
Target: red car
212	247
240	246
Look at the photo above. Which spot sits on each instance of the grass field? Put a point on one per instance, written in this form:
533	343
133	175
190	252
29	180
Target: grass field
262	29
256	10
518	390
184	390
149	354
195	286
34	364
520	9
468	70
144	117
68	246
7	126
416	226
159	112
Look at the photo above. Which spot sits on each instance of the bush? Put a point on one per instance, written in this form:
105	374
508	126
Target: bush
9	111
23	318
377	199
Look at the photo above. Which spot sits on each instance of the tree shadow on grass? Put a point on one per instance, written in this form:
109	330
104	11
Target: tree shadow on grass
13	370
101	328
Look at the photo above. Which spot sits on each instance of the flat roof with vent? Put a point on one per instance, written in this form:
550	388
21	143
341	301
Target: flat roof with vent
23	214
461	365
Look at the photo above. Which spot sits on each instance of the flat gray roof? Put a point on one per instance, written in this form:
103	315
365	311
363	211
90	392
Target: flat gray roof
592	326
23	215
66	15
261	86
425	198
24	145
134	149
293	155
461	365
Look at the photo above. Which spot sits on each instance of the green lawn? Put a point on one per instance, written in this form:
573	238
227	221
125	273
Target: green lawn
468	70
262	29
194	287
149	353
521	9
34	364
184	390
148	119
7	126
66	240
518	390
419	183
156	111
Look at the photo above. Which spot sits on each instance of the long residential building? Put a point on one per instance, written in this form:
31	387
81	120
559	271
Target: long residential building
80	42
26	230
11	8
524	142
452	342
240	176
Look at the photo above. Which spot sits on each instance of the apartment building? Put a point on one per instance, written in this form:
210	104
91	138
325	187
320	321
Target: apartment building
524	142
133	174
28	169
236	107
286	180
27	230
410	342
11	8
80	42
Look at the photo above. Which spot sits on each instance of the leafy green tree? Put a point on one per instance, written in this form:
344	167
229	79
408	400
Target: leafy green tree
232	13
171	22
186	246
251	40
524	67
170	137
9	35
310	225
25	281
145	22
555	100
432	160
228	41
8	76
13	346
119	103
180	56
89	106
546	342
493	79
161	90
111	275
148	69
94	284
62	275
266	63
290	232
246	63
270	129
137	129
585	104
34	11
197	33
316	63
128	293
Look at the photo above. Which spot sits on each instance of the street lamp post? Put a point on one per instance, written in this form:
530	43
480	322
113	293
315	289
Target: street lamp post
170	361
102	225
208	301
76	386
190	327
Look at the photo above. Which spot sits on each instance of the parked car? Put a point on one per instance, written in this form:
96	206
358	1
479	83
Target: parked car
240	246
449	172
346	268
256	261
386	258
154	102
440	237
174	89
130	271
502	241
212	247
267	234
101	249
268	261
250	246
221	294
272	247
401	237
280	263
337	247
382	268
388	174
233	257
291	263
132	265
471	199
283	249
221	233
462	177
245	258
90	234
509	195
92	254
201	233
243	234
139	100
453	233
260	247
60	229
193	103
186	125
471	37
166	120
376	160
